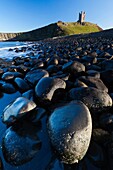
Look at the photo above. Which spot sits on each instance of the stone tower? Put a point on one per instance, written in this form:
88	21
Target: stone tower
82	17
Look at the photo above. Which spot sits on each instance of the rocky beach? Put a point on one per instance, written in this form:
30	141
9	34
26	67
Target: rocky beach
56	105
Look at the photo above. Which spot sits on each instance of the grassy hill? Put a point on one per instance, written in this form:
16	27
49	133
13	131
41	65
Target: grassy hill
71	28
53	30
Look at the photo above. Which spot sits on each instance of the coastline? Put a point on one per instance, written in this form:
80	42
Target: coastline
10	49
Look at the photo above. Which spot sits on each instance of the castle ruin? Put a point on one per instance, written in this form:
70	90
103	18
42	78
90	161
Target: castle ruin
82	17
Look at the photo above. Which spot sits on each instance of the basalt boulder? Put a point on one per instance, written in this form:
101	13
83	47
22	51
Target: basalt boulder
7	87
96	100
16	110
73	67
29	95
21	84
70	128
94	82
93	73
89	59
46	87
107	65
34	76
107	77
11	75
20	144
106	121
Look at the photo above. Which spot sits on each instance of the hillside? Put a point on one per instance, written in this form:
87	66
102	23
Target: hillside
71	28
53	30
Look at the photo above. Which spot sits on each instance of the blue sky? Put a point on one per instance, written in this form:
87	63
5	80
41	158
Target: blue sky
25	15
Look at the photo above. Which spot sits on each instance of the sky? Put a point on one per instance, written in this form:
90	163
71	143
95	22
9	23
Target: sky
26	15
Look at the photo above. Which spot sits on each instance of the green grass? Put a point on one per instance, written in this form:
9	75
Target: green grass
71	28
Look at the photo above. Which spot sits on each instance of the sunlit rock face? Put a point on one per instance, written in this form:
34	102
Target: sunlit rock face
17	109
70	129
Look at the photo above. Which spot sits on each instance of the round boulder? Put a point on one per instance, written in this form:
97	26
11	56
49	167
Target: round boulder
20	144
70	128
17	109
96	100
46	87
94	82
34	76
21	84
73	67
7	88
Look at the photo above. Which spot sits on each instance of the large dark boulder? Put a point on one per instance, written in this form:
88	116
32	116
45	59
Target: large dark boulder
96	100
94	82
21	84
7	87
11	75
107	65
34	76
46	87
20	144
70	128
16	110
73	67
107	78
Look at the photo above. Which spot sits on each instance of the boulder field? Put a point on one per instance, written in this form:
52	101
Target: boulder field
56	106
